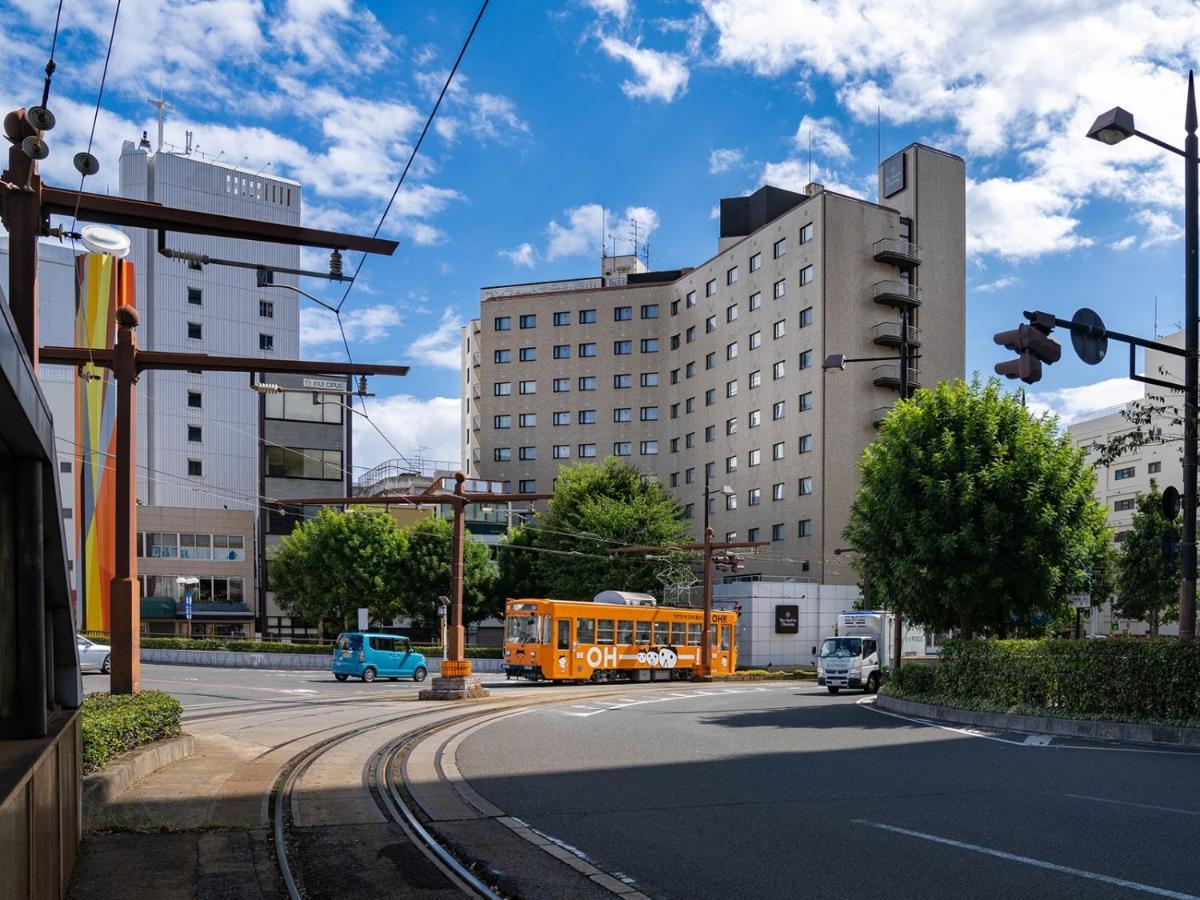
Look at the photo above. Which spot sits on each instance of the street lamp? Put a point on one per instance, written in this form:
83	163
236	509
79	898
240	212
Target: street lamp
724	489
1113	127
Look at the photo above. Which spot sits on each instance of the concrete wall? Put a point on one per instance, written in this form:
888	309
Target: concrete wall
759	645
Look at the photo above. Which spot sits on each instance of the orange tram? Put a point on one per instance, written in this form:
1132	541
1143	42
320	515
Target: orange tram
571	640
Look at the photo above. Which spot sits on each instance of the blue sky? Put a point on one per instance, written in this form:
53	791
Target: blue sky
652	111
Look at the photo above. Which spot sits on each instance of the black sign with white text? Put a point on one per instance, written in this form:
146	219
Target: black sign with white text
787	619
893	175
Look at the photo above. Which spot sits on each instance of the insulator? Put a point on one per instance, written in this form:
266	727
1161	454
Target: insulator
335	264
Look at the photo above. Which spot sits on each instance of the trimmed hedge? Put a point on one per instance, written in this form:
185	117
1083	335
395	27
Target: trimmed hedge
1119	679
243	646
115	724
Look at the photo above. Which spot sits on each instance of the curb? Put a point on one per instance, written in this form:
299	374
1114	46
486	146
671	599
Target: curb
101	788
310	662
1100	730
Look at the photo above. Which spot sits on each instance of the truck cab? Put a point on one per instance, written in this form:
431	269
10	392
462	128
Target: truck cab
855	656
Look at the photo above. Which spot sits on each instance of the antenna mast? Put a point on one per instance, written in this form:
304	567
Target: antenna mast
162	106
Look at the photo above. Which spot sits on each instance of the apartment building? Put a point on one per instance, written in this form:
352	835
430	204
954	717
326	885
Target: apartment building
716	369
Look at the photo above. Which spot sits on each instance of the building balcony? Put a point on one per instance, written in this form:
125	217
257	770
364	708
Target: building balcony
897	252
897	294
475	360
887	334
474	423
879	414
888	375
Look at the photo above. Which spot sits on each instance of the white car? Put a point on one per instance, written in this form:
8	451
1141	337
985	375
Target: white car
92	656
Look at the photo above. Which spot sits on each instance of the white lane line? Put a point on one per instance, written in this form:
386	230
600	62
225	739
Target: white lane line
1173	809
1037	740
1030	861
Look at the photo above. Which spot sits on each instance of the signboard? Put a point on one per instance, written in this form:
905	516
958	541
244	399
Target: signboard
893	175
1080	601
187	605
363	613
787	619
325	384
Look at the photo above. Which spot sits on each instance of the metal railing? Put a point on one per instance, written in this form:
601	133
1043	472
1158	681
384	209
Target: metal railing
879	414
892	330
898	289
898	247
891	372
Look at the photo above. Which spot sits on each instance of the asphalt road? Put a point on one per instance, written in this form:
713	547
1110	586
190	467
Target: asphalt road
788	792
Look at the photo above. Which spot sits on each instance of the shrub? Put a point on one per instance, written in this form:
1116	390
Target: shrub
277	647
915	678
1121	679
115	724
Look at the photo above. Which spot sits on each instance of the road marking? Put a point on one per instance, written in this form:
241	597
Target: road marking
1037	740
627	702
1174	809
1030	861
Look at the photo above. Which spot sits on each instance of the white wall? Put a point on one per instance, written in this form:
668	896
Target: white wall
759	645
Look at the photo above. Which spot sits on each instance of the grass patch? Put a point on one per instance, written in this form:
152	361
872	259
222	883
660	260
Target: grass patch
115	724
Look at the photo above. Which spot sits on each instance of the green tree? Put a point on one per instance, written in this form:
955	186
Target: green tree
595	509
336	562
973	514
425	573
1147	591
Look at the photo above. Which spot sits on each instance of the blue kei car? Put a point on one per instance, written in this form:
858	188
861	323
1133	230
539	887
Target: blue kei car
370	656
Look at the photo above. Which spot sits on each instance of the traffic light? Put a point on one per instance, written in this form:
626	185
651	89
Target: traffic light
1170	549
1033	346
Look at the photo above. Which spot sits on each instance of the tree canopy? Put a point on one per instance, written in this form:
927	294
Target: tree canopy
1148	590
973	513
425	573
595	508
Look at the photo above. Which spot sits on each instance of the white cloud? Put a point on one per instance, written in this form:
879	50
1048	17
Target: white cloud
580	236
722	160
1019	219
1161	227
524	255
660	75
435	424
441	347
618	9
998	285
1083	402
793	175
485	116
821	134
364	324
1123	243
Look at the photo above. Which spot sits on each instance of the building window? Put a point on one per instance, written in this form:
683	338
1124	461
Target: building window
623	448
691	299
501	356
779	329
501	422
622	348
195	331
587	382
690	334
755	379
731	275
674	342
689	511
266	342
753	497
1122	474
502	389
587	451
731	350
528	354
587	317
710	433
587	417
562	417
674	307
528	387
674	479
266	309
806	275
731	388
806	317
649	448
805	401
731	313
674	410
756	262
527	486
562	351
755	300
777	532
777	451
195	296
806	233
778	410
805	486
195	468
527	453
649	345
562	318
649	310
804	528
805	443
710	324
1154	468
689	476
502	323
710	287
195	434
674	376
778	370
622	313
710	361
731	502
623	414
622	381
195	400
562	451
777	491
562	385
64	467
710	397
754	458
689	441
649	379
780	288
529	320
755	340
649	413
528	420
754	418
780	247
689	405
806	359
502	454
731	463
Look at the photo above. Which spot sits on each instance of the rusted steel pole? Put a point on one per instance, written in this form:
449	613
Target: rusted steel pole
125	613
457	634
706	631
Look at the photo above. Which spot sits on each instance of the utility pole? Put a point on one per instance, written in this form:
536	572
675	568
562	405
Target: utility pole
897	622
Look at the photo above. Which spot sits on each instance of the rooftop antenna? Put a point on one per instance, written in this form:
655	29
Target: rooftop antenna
1156	316
263	169
603	231
187	143
810	154
162	106
634	224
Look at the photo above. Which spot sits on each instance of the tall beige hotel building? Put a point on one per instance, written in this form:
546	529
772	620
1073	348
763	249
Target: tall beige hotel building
717	369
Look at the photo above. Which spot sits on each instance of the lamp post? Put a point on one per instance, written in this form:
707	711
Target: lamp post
725	490
1113	127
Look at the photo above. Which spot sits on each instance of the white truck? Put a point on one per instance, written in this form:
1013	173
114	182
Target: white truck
858	652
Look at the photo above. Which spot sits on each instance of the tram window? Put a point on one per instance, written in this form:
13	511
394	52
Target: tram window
585	631
678	633
564	634
643	632
604	631
625	632
724	637
660	633
693	634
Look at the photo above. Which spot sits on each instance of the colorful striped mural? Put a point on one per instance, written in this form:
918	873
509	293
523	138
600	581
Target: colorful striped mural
102	283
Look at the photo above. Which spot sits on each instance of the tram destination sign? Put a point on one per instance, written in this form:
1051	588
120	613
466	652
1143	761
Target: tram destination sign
787	619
